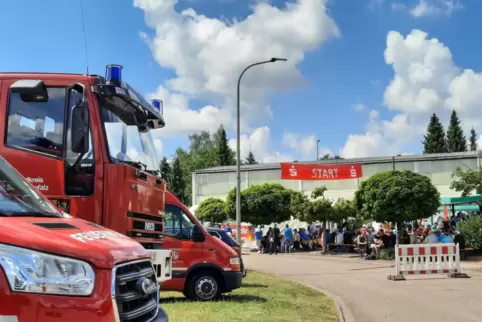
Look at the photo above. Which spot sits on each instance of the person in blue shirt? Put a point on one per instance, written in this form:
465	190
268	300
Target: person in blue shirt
288	232
228	229
258	235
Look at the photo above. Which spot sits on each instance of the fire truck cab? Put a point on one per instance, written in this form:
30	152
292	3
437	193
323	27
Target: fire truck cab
85	142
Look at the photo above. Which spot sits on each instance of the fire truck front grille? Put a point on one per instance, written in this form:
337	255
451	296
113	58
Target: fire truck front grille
132	289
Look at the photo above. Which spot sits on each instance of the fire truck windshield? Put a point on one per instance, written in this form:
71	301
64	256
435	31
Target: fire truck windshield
18	198
126	143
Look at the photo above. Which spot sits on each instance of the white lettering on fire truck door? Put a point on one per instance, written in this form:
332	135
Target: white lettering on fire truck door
38	183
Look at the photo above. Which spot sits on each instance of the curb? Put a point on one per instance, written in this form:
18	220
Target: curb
342	310
344	313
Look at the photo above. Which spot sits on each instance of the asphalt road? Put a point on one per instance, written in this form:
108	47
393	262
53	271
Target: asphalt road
365	294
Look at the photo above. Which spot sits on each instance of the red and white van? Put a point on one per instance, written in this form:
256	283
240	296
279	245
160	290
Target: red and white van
203	267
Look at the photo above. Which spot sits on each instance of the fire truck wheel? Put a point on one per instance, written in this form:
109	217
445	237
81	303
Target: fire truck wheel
204	286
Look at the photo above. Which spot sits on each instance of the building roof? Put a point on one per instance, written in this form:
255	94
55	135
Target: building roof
371	160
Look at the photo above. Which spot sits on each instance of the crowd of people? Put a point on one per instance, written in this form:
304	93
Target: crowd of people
369	242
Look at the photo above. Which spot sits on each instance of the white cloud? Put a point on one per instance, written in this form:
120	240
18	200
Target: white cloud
359	107
208	54
479	142
181	120
258	143
305	145
426	80
159	146
398	7
427	8
374	4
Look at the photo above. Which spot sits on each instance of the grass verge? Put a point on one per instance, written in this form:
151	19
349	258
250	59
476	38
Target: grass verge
262	297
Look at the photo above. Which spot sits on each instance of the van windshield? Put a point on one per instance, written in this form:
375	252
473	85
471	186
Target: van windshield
18	198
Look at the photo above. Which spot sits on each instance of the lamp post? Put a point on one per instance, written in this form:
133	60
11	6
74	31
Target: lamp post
317	150
238	146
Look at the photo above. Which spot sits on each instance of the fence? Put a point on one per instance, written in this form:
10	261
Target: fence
427	259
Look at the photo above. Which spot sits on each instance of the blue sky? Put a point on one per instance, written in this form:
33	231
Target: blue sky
338	72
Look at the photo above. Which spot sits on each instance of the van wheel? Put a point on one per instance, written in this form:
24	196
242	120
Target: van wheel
204	286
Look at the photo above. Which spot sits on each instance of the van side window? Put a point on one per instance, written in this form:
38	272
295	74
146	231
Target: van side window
79	179
178	224
37	126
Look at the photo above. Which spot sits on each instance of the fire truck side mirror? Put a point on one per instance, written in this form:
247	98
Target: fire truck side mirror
197	234
80	129
30	90
79	136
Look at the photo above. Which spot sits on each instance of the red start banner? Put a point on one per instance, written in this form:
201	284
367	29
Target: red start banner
297	171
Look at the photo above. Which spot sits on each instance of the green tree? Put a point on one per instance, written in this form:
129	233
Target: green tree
434	141
177	182
328	156
212	209
467	180
473	140
225	155
319	192
165	170
200	155
300	205
250	159
343	210
261	204
472	231
318	209
396	196
456	141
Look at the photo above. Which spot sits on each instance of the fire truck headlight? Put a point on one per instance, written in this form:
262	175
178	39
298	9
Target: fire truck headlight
35	272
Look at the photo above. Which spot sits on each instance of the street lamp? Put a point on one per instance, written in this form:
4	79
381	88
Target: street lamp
238	146
317	150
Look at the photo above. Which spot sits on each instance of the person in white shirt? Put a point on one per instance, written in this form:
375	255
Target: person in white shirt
339	238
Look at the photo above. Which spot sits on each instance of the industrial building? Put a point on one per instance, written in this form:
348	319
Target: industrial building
217	181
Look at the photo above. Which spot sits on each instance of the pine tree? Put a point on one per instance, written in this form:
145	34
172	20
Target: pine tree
473	140
165	169
250	159
177	183
434	140
225	155
456	141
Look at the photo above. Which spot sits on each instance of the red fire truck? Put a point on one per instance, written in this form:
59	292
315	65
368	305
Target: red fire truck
85	142
54	267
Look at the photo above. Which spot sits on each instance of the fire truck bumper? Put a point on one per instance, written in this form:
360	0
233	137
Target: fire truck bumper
161	316
50	308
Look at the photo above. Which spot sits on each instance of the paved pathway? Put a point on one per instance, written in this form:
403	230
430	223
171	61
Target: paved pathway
368	296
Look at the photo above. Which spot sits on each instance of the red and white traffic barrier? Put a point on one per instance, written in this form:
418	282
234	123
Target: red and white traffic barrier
423	259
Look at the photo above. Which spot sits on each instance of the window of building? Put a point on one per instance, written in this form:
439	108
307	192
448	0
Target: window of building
178	224
37	126
202	179
423	167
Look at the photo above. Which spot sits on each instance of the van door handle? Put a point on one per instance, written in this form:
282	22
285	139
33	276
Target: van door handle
211	249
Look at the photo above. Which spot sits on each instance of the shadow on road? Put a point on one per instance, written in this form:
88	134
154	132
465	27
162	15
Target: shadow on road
225	298
254	285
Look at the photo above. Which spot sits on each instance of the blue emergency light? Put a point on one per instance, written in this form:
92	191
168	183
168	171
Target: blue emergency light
113	74
158	105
